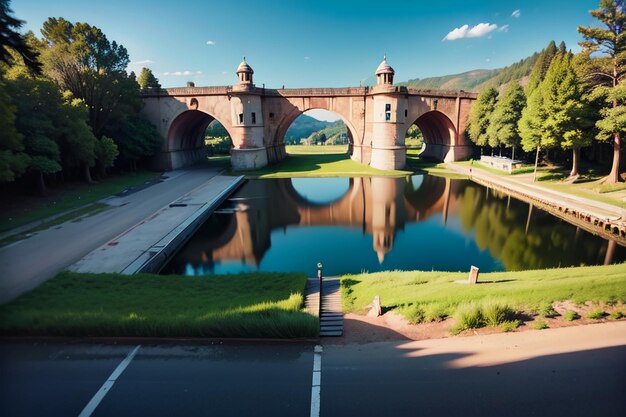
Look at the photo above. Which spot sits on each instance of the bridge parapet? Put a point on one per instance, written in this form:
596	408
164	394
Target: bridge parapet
186	91
442	93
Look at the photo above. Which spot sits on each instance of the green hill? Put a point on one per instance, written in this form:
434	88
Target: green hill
303	127
467	81
478	80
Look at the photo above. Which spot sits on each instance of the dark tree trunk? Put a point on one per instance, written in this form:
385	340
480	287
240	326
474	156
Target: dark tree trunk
613	177
87	174
41	184
575	162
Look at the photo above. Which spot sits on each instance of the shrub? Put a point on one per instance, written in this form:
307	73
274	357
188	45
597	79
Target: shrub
617	315
571	315
596	314
414	313
468	316
496	313
540	324
546	310
510	325
436	312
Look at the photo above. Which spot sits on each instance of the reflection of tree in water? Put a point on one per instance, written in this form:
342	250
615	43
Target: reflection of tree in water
502	226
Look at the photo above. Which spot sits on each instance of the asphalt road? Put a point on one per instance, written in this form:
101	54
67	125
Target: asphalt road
27	263
577	371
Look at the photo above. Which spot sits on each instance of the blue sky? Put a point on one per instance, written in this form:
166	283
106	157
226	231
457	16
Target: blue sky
319	43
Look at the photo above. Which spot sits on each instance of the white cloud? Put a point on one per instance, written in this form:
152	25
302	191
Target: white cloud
504	28
307	58
144	62
224	72
209	42
516	13
464	31
488	60
183	73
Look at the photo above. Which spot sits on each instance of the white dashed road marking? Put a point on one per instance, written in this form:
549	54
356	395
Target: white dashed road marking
316	383
108	384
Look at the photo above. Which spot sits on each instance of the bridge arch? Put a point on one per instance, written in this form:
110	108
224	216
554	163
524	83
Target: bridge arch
296	112
439	134
185	137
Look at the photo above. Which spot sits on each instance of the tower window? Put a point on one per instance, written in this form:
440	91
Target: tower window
271	115
387	116
253	118
387	107
241	118
406	113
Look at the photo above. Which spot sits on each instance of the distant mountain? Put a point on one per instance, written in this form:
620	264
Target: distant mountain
467	81
478	80
303	127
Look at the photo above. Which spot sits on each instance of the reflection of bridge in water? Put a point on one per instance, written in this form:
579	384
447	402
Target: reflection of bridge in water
377	205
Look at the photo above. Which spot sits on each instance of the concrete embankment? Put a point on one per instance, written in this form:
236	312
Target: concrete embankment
148	245
596	217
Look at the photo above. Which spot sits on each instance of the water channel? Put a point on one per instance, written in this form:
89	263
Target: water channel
420	222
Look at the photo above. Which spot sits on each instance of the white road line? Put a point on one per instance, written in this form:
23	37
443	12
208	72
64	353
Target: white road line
108	384
316	383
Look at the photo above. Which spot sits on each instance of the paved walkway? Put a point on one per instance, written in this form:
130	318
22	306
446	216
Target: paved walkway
27	263
596	208
581	204
146	246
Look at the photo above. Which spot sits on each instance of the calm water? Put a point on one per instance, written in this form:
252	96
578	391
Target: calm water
374	224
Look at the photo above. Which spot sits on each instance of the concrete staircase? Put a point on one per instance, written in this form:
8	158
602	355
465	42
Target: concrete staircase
328	307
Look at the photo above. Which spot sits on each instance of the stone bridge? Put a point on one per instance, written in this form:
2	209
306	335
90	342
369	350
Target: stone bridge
257	118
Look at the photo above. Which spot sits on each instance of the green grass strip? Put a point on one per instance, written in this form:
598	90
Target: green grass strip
429	295
260	305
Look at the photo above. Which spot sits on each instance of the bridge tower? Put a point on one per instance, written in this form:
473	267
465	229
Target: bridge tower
389	110
249	151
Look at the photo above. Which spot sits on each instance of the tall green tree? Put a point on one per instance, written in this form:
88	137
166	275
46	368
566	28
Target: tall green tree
568	117
37	102
480	115
106	152
605	48
12	43
147	79
81	59
503	127
77	141
541	66
13	159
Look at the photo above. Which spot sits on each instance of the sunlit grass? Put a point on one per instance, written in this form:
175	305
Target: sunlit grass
497	295
244	305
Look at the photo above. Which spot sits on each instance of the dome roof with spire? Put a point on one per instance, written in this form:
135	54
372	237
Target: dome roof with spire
384	68
244	67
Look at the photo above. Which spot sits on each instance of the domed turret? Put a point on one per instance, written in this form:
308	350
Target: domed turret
244	72
384	73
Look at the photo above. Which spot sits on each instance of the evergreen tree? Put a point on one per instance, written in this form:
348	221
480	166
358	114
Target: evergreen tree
568	118
605	49
505	118
12	43
480	115
541	67
147	79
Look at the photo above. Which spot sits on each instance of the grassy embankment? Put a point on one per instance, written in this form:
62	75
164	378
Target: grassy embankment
499	299
333	161
268	305
587	185
77	199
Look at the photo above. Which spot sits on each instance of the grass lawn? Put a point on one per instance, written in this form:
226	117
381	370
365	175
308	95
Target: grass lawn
245	305
314	149
22	210
430	296
318	165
